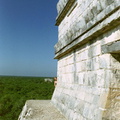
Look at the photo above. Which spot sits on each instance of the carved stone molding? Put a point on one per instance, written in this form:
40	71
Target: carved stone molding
62	11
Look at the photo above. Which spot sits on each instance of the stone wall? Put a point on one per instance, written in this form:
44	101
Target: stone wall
86	19
88	53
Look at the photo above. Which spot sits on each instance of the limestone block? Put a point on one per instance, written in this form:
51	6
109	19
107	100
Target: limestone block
67	69
94	50
77	57
76	116
99	7
61	5
58	8
71	68
81	78
73	31
96	7
64	70
64	62
101	15
112	17
71	79
117	3
112	35
60	107
79	106
86	110
85	16
90	14
76	26
89	90
23	113
64	110
69	33
115	79
73	94
85	4
76	86
68	113
110	1
96	63
66	78
81	66
81	23
63	98
91	51
100	78
71	103
93	112
113	47
89	65
89	24
108	78
81	95
103	99
97	50
82	5
71	115
91	79
104	61
84	55
103	3
110	8
71	60
96	99
66	92
89	98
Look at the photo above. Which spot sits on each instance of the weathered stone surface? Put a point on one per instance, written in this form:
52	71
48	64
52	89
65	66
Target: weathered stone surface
113	47
63	7
113	105
97	30
90	22
88	54
40	110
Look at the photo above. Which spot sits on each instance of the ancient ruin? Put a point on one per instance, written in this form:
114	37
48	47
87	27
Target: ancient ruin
88	53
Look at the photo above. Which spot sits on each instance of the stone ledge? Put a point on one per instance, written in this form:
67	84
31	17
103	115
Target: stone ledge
40	110
112	47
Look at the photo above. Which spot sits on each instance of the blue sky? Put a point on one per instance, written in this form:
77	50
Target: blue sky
27	37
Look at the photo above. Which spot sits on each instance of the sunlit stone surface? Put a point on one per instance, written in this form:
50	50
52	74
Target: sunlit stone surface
88	53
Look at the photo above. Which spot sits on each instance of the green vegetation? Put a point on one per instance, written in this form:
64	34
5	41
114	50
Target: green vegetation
14	91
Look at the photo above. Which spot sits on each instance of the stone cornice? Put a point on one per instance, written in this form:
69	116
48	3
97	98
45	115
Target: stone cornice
63	13
101	27
112	47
